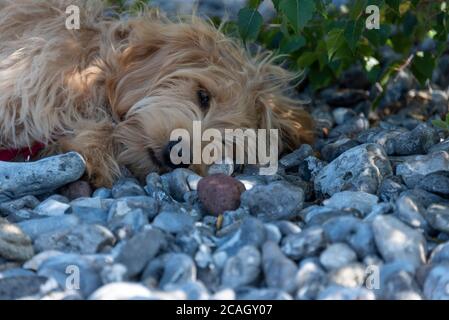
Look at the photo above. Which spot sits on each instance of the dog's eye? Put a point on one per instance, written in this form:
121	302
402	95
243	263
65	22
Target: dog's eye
203	98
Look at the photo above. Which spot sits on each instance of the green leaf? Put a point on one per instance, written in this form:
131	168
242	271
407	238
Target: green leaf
254	3
394	4
422	67
334	41
306	59
440	124
353	31
298	12
291	44
249	22
276	4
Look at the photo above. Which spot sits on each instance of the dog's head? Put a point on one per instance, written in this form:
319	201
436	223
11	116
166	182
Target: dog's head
171	74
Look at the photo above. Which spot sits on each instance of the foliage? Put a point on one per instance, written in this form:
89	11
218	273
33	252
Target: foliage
324	40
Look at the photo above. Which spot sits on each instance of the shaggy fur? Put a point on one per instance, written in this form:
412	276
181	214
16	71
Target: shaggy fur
114	90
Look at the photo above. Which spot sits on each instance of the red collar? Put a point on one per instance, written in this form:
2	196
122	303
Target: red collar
26	153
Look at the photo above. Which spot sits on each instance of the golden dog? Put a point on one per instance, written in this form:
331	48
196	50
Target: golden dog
114	90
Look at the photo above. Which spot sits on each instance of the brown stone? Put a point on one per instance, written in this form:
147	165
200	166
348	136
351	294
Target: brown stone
77	189
219	193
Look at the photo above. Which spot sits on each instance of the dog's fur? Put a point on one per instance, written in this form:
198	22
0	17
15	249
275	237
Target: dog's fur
114	90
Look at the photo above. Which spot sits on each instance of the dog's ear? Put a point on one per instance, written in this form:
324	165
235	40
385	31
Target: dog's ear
129	79
277	110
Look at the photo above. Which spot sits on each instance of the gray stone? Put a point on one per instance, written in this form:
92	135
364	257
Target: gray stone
36	261
243	268
361	168
417	141
51	208
194	290
175	182
155	189
333	150
353	231
341	115
137	251
179	269
438	217
102	193
83	239
127	187
311	279
335	292
32	178
10	207
123	206
278	269
397	282
60	267
351	127
359	200
251	232
14	243
440	254
307	243
415	168
275	201
263	294
391	188
35	227
173	221
113	273
437	182
437	283
411	211
398	242
296	157
337	255
129	224
21	287
349	276
122	291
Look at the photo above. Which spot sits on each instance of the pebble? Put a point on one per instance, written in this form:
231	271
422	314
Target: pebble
362	201
337	255
278	269
127	187
77	189
173	221
35	227
311	280
51	208
438	217
243	269
361	168
437	182
398	242
306	243
14	243
294	158
33	178
437	283
83	239
415	168
335	292
275	201
178	269
219	193
137	251
353	231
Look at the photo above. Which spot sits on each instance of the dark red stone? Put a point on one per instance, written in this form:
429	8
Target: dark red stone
219	193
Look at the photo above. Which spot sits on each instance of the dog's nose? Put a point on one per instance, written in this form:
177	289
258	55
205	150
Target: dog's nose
167	159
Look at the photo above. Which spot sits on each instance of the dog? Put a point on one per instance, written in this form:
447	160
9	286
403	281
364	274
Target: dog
114	89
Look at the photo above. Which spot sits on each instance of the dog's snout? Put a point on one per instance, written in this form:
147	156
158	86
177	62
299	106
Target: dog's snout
167	156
